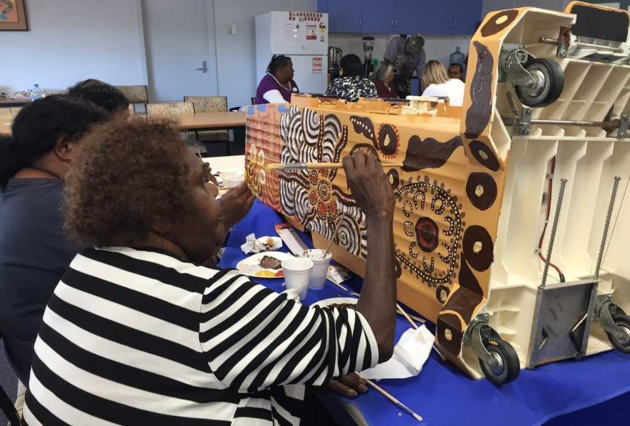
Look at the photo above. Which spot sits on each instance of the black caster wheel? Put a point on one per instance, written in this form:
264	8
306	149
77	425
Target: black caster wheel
507	366
623	322
550	78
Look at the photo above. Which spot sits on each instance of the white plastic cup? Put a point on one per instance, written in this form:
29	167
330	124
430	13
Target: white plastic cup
320	267
233	181
297	273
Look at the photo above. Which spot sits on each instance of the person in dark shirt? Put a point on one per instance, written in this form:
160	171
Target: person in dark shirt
102	94
352	85
34	252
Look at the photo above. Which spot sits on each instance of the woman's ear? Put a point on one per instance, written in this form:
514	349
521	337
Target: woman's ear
65	149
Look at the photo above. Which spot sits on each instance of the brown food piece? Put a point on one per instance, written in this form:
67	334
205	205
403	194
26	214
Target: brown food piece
342	305
269	262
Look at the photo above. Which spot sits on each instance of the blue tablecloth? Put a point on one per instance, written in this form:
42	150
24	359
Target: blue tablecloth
443	395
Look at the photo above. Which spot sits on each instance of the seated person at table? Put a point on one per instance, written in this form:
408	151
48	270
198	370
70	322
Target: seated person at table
34	253
143	329
456	71
435	83
102	94
383	77
352	84
277	86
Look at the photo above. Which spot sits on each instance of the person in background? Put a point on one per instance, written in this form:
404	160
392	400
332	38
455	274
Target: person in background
352	85
277	86
383	77
456	72
34	252
144	329
407	55
102	94
435	83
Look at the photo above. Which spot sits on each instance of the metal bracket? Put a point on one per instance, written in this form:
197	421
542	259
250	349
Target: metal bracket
525	121
623	126
564	41
477	334
515	72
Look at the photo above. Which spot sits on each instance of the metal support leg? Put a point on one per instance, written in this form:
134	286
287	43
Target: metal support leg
554	229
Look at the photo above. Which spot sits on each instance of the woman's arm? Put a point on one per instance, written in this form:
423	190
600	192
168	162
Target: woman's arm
274	97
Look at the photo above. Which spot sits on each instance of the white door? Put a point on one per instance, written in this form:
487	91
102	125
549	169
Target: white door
179	38
311	73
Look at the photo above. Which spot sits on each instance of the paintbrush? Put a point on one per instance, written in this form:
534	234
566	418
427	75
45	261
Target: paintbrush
394	400
316	166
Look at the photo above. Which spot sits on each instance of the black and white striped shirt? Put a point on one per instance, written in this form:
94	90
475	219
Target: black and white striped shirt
135	337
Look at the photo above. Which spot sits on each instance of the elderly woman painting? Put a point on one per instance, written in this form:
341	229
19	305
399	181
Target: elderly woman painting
144	329
383	77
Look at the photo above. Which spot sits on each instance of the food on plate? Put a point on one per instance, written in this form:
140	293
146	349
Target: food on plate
269	274
343	305
268	262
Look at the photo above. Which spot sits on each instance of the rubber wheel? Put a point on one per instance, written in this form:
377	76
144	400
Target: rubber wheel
509	365
623	322
551	75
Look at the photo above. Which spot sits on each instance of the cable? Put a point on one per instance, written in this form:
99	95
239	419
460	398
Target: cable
615	223
547	214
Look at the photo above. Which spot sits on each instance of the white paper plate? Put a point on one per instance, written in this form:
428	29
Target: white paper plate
251	265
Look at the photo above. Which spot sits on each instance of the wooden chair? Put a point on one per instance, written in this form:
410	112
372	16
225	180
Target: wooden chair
8	114
173	108
204	104
136	95
178	108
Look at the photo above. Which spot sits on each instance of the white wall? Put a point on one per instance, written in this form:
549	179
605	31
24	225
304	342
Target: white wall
438	48
71	40
236	53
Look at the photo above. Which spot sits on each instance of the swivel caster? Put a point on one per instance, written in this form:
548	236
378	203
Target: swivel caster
616	324
497	358
548	86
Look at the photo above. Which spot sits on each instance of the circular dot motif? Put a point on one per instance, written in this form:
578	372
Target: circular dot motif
427	234
388	140
478	248
481	190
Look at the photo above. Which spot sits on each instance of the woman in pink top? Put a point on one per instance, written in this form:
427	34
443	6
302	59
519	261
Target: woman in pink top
278	85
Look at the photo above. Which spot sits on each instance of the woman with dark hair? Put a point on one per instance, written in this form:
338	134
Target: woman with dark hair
102	94
352	85
145	329
34	252
277	86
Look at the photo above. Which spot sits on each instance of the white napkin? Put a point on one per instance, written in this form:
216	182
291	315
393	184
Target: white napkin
250	244
253	245
410	354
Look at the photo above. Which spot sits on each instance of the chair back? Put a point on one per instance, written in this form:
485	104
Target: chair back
174	108
7	405
9	114
135	94
208	103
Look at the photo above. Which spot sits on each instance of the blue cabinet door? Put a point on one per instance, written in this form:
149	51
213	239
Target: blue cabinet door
467	16
378	17
407	18
435	17
344	16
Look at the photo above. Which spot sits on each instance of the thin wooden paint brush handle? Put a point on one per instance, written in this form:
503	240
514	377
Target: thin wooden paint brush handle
316	166
394	400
